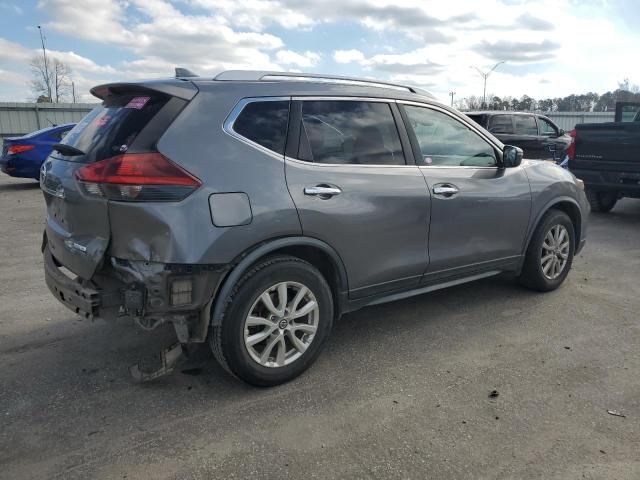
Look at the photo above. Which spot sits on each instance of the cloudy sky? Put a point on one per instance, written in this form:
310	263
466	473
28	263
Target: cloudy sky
551	47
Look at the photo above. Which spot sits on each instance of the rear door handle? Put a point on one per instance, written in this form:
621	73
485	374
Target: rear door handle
445	189
322	191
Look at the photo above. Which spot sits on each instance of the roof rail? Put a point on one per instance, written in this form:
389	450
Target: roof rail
257	75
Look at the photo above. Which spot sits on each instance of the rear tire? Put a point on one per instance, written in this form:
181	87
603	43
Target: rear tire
601	201
288	344
550	253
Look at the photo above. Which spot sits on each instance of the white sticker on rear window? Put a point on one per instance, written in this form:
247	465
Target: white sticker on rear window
137	102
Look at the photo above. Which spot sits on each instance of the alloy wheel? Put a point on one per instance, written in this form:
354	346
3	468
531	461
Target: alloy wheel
555	252
281	324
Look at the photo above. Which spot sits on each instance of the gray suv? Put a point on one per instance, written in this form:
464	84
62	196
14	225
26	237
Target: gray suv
253	209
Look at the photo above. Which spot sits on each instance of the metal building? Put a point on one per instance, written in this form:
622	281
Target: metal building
20	118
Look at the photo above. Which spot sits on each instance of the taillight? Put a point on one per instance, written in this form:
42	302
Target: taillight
14	149
138	177
571	151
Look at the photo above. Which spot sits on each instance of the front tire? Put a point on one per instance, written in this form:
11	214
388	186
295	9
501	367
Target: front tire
601	201
275	323
550	253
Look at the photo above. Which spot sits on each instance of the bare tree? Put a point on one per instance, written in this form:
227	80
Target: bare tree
51	79
61	80
41	82
474	103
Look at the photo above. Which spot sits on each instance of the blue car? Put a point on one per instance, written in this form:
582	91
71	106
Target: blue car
23	156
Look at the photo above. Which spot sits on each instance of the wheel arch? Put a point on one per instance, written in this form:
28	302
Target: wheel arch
565	204
318	253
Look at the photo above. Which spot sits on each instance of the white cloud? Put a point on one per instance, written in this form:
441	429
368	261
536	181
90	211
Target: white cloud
12	52
348	56
428	43
161	35
306	59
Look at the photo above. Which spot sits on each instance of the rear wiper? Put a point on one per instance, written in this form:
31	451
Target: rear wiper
67	150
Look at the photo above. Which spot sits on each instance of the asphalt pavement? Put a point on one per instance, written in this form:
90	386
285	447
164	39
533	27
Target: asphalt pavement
403	390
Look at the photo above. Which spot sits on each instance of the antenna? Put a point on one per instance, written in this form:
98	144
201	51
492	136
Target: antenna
184	72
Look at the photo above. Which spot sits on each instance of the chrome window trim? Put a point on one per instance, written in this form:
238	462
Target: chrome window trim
227	125
358	165
327	98
430	167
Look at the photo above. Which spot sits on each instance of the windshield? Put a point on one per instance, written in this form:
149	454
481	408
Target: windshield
111	128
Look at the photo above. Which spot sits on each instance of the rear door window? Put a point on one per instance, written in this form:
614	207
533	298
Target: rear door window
112	128
501	124
525	125
265	123
349	132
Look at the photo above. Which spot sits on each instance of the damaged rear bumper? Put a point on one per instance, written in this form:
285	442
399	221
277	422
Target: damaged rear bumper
149	293
86	302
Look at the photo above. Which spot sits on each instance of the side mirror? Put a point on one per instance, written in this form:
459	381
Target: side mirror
511	156
561	132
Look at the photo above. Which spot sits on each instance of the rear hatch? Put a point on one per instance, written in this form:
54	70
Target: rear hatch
107	156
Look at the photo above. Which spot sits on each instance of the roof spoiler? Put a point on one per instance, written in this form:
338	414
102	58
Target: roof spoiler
181	89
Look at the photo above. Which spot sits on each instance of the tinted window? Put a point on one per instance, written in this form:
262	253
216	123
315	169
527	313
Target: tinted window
349	132
501	124
111	128
546	127
479	119
443	140
525	125
265	123
630	113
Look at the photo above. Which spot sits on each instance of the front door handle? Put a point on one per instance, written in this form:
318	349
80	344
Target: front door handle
322	191
445	189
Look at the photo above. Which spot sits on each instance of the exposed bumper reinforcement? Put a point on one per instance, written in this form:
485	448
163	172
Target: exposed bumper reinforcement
81	300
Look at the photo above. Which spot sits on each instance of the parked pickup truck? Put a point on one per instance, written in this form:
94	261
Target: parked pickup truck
606	156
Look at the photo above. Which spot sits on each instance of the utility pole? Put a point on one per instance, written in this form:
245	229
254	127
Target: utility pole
485	75
451	94
73	91
46	64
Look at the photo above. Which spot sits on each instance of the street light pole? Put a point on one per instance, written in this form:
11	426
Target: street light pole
46	64
484	76
451	94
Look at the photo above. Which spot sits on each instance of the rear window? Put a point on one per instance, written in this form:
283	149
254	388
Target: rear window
111	128
265	123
